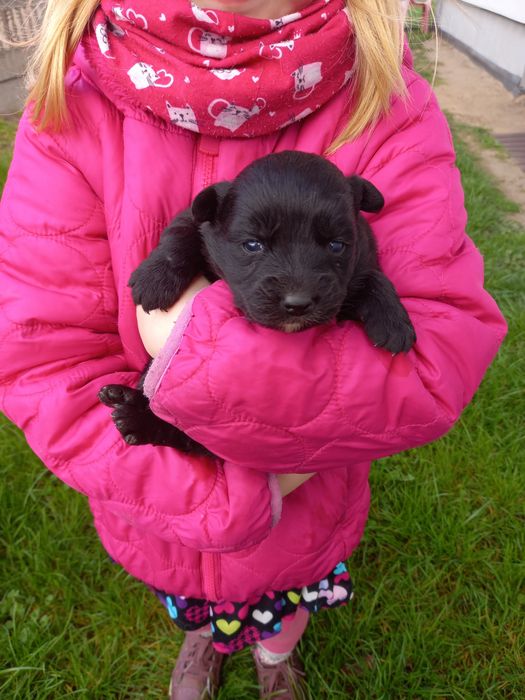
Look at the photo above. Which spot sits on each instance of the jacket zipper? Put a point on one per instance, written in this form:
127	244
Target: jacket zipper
207	151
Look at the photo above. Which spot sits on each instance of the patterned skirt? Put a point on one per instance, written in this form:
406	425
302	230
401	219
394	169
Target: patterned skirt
237	625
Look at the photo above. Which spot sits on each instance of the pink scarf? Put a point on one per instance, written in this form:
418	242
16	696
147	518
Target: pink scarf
220	73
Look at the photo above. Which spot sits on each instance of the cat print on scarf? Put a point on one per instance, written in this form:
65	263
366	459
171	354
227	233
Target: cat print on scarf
306	78
207	16
220	73
130	16
102	38
226	73
183	117
207	43
276	50
231	116
143	76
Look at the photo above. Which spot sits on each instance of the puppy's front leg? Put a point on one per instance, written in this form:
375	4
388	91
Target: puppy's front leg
169	269
386	321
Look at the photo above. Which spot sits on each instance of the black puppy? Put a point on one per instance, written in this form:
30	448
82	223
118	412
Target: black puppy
288	238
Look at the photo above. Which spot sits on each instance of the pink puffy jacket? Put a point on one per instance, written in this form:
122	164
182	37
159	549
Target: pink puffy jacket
82	208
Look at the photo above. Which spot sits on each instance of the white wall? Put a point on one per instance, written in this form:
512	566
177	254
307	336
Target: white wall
513	9
486	30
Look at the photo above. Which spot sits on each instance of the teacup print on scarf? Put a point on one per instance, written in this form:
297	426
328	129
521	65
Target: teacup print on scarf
221	73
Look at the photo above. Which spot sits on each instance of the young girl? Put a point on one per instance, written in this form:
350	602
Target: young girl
138	105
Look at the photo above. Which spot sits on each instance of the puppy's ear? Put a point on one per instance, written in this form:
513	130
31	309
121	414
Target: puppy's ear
206	205
366	196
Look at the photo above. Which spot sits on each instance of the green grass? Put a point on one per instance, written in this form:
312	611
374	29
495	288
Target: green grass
439	577
482	138
425	65
7	134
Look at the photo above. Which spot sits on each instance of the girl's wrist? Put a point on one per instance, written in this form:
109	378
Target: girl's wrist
290	482
156	326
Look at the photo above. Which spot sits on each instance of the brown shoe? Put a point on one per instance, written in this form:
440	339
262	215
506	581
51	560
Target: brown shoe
283	681
197	672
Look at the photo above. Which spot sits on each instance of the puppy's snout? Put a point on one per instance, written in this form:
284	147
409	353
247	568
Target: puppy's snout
297	304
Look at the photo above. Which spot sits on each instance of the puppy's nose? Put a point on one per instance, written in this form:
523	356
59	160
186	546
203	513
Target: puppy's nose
297	304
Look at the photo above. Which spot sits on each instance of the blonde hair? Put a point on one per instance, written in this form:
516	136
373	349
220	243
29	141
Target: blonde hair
378	36
64	23
377	73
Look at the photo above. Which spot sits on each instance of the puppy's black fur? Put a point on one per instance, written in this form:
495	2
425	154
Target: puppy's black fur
288	238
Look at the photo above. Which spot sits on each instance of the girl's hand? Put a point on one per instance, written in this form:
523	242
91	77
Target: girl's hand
289	482
156	326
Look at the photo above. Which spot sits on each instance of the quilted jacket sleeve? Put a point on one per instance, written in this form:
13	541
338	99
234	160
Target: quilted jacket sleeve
59	345
326	397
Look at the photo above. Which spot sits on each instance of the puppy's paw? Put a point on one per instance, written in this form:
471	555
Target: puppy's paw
131	412
138	425
395	334
132	425
155	284
401	339
113	395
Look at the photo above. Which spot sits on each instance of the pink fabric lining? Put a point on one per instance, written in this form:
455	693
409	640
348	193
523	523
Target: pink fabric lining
161	363
291	633
277	499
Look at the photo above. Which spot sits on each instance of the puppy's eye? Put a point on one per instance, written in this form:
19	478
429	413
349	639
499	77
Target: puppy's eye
253	246
336	247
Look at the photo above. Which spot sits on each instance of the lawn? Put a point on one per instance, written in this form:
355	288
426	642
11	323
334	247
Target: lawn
439	605
7	132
